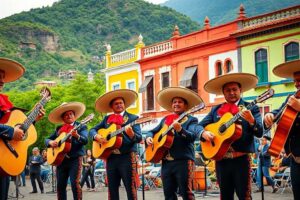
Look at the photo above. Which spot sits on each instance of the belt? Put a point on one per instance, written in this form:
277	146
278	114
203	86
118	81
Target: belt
233	154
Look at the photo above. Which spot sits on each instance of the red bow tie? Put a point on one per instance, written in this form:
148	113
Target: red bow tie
66	128
228	107
115	119
5	104
170	119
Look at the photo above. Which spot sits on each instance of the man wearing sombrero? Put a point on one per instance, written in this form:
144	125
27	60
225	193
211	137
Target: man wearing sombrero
10	71
121	163
233	171
292	146
71	166
178	164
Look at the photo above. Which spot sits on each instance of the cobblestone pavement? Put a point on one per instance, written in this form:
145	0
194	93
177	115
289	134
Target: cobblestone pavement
153	194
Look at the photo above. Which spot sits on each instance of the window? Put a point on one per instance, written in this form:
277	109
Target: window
261	65
228	66
165	79
150	95
115	86
291	51
130	84
218	68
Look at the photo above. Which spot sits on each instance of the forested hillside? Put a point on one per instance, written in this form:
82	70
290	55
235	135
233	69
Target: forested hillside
222	11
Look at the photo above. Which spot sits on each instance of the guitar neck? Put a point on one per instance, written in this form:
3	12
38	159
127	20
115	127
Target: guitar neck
238	115
69	134
117	132
32	116
178	120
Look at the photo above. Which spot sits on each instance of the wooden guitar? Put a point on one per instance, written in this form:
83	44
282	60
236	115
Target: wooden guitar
14	153
55	155
226	131
163	140
114	139
284	120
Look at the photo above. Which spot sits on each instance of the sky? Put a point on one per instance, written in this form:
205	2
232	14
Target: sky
10	7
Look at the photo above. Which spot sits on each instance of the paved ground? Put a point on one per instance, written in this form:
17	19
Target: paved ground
154	194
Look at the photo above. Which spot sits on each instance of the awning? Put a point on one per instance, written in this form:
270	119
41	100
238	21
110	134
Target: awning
186	79
144	85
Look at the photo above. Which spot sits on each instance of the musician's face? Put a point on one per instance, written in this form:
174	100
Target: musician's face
2	76
178	105
297	80
232	92
69	117
118	105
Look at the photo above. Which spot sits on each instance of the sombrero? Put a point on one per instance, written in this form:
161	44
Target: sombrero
166	95
13	70
287	69
102	104
56	115
215	86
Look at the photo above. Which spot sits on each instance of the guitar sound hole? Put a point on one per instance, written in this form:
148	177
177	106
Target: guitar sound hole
108	137
213	143
222	128
159	139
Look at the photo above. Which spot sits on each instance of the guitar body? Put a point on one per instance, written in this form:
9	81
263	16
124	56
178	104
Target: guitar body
104	150
222	141
156	151
9	163
56	155
282	131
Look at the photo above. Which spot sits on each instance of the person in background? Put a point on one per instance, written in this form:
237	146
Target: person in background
88	170
35	162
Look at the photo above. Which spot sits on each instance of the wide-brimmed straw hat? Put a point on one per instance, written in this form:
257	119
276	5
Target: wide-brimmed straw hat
102	104
215	86
166	95
13	70
56	115
287	69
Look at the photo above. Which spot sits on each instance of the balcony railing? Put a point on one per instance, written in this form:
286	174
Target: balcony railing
123	56
158	49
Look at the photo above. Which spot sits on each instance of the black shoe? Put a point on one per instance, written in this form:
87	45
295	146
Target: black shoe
42	191
32	192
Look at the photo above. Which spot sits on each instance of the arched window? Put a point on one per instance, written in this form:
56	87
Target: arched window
228	66
218	68
291	51
261	65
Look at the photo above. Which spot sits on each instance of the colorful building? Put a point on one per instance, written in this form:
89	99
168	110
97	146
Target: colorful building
266	41
189	61
122	71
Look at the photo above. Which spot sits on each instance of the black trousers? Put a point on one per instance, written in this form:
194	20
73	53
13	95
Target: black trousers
86	173
69	168
122	166
177	174
4	186
234	175
36	175
295	176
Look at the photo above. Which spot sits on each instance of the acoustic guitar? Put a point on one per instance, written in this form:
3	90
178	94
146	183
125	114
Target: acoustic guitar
55	155
284	120
226	131
14	153
163	140
114	139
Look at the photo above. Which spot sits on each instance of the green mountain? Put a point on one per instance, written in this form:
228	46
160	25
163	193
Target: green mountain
222	11
71	34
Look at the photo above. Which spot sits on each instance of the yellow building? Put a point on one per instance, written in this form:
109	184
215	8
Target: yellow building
122	72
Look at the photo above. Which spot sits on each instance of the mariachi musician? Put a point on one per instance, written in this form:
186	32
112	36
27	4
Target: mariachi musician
233	170
292	146
121	162
71	165
178	163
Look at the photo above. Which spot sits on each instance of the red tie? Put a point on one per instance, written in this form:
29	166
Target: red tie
228	107
115	119
5	104
170	119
